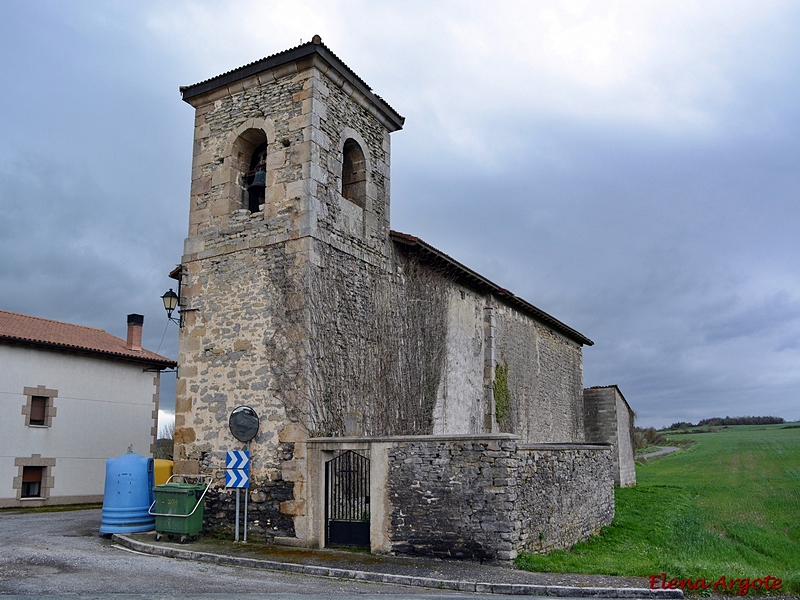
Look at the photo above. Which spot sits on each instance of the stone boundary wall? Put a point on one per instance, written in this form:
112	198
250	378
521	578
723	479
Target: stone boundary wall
454	498
570	489
609	420
490	498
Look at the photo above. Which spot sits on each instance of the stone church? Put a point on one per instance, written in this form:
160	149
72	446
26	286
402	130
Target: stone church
405	402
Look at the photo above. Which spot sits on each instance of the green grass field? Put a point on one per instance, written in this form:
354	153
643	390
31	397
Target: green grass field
728	504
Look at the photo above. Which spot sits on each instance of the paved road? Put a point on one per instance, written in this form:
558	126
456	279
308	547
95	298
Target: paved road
62	554
663	452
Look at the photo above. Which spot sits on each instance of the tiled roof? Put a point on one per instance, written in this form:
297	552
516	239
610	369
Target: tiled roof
23	329
468	276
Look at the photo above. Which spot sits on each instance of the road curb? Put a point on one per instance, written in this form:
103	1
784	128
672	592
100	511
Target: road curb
426	582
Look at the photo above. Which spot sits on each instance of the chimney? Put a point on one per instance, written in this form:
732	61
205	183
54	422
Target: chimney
135	323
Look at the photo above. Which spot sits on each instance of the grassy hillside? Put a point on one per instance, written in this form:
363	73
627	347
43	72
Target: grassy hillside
727	505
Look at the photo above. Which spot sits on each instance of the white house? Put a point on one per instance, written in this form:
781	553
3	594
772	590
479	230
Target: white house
72	397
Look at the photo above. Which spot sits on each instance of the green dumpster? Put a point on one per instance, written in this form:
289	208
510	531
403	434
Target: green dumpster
179	509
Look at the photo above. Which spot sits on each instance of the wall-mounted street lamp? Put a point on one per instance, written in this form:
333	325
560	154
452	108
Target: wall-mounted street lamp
170	299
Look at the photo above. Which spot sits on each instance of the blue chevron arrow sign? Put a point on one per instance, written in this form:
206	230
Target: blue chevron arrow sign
237	478
237	469
237	459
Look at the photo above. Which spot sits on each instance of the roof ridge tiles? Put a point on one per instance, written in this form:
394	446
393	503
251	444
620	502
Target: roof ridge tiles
276	55
53	321
49	333
288	55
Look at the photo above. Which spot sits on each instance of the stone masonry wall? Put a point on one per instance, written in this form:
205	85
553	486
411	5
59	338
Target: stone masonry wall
239	299
609	420
363	231
247	283
600	415
264	517
625	451
454	498
567	492
378	354
488	498
545	379
244	316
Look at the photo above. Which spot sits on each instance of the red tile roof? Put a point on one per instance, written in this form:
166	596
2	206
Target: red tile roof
23	329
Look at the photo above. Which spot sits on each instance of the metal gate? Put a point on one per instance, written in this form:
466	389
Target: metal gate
347	500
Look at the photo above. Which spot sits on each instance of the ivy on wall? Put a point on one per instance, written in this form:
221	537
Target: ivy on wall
377	345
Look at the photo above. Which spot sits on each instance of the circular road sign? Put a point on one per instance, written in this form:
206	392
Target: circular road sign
243	423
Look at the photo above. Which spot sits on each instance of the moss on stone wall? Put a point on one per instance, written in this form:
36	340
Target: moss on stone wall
502	397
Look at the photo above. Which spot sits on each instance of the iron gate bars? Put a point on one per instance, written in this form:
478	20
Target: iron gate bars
347	500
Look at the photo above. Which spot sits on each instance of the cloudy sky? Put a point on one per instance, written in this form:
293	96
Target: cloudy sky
632	168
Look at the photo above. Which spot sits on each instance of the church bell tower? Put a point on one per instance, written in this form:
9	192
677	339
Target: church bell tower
290	167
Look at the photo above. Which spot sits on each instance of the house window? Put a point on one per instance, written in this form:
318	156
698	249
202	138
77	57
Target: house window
354	173
39	409
32	482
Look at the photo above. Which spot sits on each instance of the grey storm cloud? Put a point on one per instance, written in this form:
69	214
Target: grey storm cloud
631	168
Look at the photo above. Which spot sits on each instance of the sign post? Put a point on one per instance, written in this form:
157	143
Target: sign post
243	424
237	475
246	498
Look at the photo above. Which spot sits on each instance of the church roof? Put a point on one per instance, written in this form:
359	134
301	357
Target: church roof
468	276
44	333
309	49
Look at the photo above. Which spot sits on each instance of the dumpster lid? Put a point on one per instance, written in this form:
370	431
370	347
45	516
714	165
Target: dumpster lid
175	486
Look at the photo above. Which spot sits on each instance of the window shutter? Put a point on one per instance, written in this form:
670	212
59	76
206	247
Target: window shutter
31	474
38	406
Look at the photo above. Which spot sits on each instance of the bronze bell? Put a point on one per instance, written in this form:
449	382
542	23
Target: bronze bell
259	180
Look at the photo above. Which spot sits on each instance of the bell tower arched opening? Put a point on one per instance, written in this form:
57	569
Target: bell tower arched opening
250	161
354	173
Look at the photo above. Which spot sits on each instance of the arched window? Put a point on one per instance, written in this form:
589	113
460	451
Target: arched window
354	173
255	179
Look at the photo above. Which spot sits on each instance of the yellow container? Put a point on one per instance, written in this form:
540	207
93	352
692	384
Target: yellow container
163	470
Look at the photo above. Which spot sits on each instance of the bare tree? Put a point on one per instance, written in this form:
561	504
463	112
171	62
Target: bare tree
165	441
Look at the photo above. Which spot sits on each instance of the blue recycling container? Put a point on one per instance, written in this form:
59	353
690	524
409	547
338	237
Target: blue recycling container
128	495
